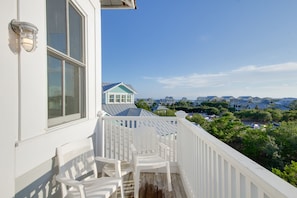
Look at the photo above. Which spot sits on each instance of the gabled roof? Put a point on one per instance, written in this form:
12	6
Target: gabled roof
136	112
125	110
160	108
109	86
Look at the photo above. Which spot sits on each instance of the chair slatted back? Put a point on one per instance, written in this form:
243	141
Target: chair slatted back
145	140
76	160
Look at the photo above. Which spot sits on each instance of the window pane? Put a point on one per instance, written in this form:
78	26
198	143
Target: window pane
56	24
123	98
111	98
128	98
71	89
75	33
118	98
55	99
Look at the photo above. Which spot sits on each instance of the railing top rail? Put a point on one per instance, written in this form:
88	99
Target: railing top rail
260	175
139	118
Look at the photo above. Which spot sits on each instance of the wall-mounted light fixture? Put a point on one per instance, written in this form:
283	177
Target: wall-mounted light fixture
27	34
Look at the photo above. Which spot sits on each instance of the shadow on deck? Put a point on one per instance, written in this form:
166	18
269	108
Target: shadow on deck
154	186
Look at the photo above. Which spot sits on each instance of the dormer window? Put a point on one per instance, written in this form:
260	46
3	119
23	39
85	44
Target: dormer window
118	98
129	98
111	98
123	98
118	93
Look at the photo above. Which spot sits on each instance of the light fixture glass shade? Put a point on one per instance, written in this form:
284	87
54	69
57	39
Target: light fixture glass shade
28	42
27	34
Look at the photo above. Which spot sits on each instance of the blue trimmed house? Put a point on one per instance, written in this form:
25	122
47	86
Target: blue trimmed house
118	100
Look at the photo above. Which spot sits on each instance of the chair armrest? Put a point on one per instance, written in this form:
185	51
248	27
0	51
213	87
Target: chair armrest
106	160
134	154
69	182
117	164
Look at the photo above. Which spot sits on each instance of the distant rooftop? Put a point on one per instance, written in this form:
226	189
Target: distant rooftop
125	110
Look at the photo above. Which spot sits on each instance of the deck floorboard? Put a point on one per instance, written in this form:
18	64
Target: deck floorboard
154	186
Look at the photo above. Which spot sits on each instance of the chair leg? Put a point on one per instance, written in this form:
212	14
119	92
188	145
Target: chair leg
168	177
136	183
122	189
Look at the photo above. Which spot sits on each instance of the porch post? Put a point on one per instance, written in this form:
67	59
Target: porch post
100	144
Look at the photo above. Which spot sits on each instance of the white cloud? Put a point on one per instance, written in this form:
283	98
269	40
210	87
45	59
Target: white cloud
193	80
269	68
268	80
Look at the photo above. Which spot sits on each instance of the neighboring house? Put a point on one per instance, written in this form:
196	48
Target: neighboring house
184	99
227	98
284	103
118	100
160	109
52	95
213	98
149	101
117	93
169	100
200	100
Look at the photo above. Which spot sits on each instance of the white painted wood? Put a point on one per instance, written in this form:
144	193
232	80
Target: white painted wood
147	154
78	171
9	99
34	135
208	167
237	175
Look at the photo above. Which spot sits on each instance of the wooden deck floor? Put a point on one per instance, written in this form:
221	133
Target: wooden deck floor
154	186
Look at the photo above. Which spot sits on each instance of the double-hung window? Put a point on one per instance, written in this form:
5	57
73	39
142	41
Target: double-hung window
111	98
129	98
123	98
65	62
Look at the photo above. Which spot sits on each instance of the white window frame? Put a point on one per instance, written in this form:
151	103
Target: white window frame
120	98
123	98
81	65
111	98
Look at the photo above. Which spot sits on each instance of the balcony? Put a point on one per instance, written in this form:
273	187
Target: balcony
206	166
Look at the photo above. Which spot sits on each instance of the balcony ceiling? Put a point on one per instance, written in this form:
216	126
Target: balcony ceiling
118	4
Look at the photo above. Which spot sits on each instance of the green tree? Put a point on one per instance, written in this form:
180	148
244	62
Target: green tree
198	119
143	105
293	105
286	138
276	114
262	148
254	115
227	128
289	173
289	115
167	112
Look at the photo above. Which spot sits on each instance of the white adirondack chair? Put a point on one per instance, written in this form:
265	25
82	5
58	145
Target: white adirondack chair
78	172
146	150
109	167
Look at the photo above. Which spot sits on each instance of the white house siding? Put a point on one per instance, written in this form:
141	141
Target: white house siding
9	101
27	144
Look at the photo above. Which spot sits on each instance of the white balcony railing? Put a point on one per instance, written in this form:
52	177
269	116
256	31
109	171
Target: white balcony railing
208	167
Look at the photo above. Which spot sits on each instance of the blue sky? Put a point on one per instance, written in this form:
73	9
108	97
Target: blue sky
203	48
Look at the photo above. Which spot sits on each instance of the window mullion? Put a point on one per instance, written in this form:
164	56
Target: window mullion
67	28
63	88
80	90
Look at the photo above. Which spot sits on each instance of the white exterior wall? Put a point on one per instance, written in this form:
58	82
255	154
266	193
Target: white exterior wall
26	141
9	101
